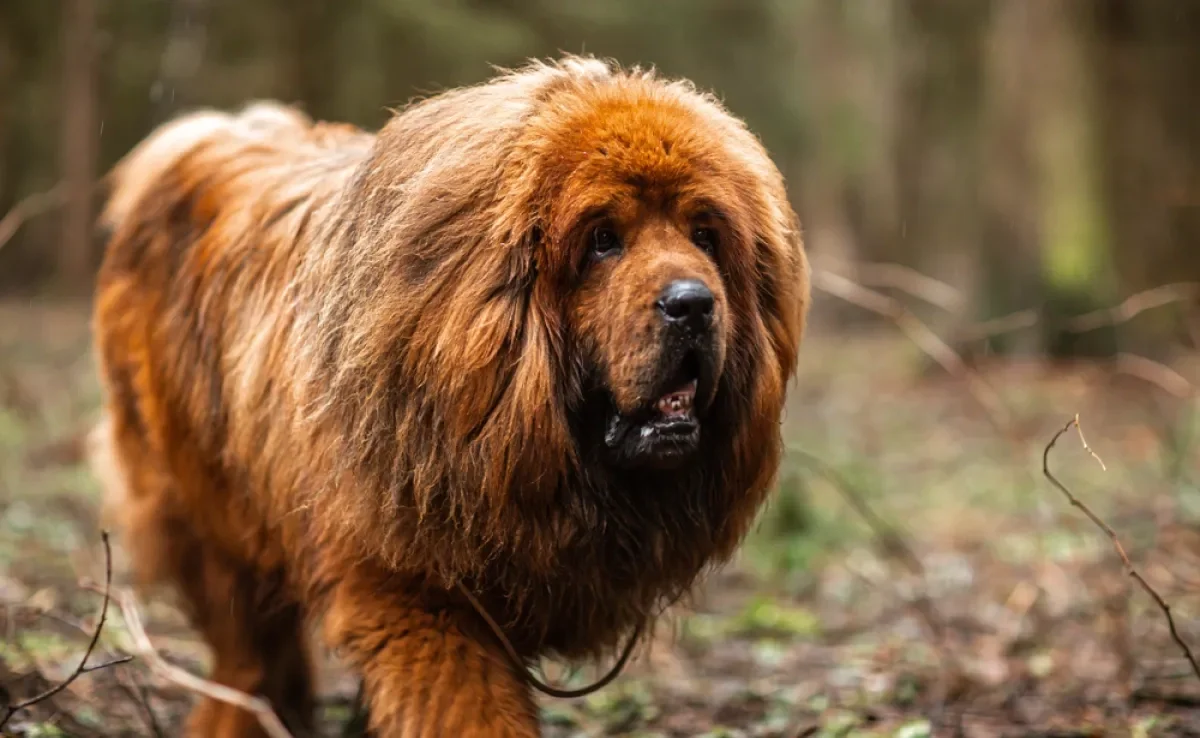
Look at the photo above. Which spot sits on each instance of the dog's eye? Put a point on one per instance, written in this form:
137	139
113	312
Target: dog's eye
605	241
705	237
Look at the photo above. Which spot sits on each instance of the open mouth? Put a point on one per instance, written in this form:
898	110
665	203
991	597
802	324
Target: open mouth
678	403
667	430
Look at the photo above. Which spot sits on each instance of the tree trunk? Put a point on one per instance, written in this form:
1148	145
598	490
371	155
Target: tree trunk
1076	268
936	151
311	27
8	62
78	146
1044	234
1146	56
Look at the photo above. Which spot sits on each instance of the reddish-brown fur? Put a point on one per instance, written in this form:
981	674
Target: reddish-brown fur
345	372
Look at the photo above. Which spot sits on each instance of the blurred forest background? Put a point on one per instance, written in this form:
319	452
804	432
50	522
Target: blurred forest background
1002	202
1032	155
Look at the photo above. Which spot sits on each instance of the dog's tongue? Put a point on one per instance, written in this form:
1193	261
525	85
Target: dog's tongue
678	404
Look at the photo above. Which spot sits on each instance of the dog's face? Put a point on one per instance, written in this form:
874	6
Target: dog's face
652	315
645	235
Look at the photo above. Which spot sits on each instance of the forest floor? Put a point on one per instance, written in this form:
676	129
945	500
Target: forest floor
977	603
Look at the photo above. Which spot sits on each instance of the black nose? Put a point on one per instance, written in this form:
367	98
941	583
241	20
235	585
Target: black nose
686	303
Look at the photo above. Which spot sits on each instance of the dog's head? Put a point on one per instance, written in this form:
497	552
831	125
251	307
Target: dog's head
664	226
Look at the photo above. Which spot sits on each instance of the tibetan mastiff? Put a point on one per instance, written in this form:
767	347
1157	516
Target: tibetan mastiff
497	382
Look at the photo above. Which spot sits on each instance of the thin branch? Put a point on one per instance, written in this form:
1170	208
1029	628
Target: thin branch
920	334
82	668
270	722
1148	370
136	690
30	206
1010	323
937	293
1083	442
112	662
942	295
1132	306
890	541
1116	542
910	281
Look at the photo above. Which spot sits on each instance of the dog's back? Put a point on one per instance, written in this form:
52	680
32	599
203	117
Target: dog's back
255	176
257	144
202	218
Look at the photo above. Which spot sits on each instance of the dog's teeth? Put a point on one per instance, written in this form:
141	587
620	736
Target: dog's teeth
677	403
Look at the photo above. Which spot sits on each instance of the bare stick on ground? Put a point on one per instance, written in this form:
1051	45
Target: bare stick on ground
1116	542
270	722
83	668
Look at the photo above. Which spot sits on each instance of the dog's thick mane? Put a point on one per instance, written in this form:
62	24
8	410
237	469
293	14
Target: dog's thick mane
376	345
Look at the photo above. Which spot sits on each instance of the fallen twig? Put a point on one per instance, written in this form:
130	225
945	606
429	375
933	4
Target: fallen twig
1116	542
270	722
82	668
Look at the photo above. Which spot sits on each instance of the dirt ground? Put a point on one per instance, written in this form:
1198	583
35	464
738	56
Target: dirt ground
976	602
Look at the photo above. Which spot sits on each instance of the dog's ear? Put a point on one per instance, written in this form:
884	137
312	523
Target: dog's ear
781	269
782	279
502	364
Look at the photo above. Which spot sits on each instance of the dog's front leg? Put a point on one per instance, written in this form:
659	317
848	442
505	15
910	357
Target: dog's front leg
425	675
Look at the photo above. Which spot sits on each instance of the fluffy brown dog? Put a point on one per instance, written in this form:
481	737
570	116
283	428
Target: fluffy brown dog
533	339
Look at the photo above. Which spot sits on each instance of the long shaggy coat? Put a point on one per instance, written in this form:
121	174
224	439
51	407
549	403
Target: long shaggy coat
347	372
